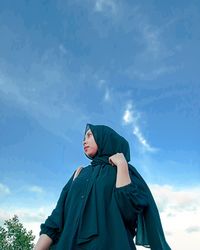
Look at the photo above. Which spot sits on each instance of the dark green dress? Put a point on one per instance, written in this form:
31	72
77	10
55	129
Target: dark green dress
92	214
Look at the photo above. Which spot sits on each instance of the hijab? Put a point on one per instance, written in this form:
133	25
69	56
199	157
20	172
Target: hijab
149	228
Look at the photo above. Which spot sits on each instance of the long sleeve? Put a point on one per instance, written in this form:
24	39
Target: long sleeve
131	200
53	224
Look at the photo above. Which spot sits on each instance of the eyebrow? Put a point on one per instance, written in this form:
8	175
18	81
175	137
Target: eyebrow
88	132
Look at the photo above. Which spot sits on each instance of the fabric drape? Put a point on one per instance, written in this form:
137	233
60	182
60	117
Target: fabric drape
93	214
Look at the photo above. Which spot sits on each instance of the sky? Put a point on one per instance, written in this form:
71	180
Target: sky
130	65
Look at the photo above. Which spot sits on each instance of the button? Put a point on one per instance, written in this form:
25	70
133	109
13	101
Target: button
82	196
87	179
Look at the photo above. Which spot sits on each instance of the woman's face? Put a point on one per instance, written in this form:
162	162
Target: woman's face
89	144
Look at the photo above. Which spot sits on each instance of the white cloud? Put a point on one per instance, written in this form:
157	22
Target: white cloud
150	73
180	200
25	214
105	5
128	115
142	140
62	49
152	38
132	117
180	214
192	229
107	96
31	218
179	211
36	189
107	91
4	190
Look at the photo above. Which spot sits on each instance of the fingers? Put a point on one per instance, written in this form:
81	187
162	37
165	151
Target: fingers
110	161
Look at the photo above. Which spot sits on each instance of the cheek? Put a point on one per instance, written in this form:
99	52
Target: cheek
93	143
92	151
96	149
94	146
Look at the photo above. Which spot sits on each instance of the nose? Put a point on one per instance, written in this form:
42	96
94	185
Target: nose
85	140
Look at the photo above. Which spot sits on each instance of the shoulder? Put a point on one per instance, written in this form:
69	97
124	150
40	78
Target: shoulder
77	171
81	169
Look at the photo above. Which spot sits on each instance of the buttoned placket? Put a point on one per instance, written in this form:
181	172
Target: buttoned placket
85	190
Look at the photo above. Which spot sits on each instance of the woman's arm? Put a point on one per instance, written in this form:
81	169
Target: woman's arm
120	162
52	227
123	177
43	243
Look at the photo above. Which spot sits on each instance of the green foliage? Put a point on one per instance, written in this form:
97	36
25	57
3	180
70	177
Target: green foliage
13	236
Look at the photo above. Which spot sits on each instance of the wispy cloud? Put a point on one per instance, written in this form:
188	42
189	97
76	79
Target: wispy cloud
150	60
4	190
193	229
153	41
136	71
47	100
107	95
36	189
106	90
132	117
62	49
105	5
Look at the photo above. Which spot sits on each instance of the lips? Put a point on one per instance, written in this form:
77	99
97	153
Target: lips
86	147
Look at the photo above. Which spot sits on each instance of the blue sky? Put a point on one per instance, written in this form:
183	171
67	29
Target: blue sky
130	65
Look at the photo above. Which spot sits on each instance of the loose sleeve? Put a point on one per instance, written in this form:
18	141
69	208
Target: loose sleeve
131	199
54	223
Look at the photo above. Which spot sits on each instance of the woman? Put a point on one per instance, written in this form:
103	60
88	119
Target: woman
104	205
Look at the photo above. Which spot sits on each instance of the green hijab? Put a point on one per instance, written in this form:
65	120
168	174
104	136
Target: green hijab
149	228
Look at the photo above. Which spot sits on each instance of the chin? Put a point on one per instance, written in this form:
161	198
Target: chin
91	156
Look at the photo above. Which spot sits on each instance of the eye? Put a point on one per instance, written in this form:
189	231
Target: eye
88	134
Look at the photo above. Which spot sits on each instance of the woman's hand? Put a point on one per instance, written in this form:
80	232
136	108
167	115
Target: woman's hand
123	177
118	159
44	242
